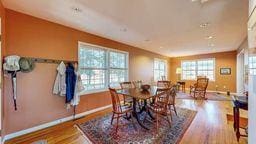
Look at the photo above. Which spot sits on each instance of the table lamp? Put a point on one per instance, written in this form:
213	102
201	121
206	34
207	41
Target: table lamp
178	72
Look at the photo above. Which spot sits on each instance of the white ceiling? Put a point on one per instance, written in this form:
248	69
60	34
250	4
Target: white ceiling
167	27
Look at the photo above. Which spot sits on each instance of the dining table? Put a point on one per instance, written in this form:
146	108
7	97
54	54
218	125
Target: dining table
144	96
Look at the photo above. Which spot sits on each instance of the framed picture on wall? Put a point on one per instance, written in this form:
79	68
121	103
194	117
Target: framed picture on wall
225	71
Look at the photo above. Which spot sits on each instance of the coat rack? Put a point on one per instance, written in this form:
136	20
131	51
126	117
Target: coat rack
53	61
42	60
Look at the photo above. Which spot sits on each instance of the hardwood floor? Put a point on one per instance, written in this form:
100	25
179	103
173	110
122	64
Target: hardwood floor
210	126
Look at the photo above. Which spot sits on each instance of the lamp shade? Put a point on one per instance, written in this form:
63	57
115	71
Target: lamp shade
178	70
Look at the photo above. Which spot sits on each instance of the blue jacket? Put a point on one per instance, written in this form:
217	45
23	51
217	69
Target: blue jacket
70	82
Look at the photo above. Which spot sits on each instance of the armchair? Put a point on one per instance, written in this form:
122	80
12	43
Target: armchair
199	88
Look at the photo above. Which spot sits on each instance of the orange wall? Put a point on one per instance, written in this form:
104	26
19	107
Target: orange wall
3	47
224	59
33	37
2	15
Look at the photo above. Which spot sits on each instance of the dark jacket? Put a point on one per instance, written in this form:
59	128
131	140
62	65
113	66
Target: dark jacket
70	82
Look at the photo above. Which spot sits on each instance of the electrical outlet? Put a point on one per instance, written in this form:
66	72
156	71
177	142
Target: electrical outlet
224	87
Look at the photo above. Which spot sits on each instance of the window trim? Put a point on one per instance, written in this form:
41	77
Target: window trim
166	69
107	80
182	69
250	68
196	60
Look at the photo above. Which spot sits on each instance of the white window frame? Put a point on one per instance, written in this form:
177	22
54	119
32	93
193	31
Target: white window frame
107	77
249	67
182	68
196	60
166	69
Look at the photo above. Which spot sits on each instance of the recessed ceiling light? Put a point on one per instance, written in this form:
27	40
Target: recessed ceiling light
204	25
208	37
123	30
76	9
211	45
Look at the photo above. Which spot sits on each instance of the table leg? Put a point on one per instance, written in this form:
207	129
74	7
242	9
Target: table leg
149	113
237	124
136	115
234	117
178	87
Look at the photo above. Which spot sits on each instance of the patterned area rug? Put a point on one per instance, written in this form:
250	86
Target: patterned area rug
209	96
100	131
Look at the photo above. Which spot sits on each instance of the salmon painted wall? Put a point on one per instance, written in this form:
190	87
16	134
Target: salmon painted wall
3	47
33	37
223	59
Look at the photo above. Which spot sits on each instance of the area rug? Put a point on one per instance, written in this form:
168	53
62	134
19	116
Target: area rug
100	131
209	96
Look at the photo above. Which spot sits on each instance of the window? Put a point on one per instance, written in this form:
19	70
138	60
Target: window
100	67
189	70
118	67
252	65
160	69
206	68
192	69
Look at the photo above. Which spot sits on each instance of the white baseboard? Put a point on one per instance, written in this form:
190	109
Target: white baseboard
49	124
222	92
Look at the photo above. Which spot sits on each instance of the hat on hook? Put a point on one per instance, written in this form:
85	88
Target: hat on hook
26	64
11	63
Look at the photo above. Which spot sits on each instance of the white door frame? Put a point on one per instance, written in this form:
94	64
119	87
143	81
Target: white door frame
240	73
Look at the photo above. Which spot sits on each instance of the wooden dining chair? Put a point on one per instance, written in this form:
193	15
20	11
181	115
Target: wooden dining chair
127	85
161	107
137	84
199	88
171	103
164	84
119	110
172	96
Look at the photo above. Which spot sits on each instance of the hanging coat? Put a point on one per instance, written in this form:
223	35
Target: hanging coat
59	87
79	87
70	82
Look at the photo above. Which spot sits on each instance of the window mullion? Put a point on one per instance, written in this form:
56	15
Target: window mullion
107	77
196	69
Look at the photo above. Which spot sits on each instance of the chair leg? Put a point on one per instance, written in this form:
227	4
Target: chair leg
124	99
113	115
157	123
133	123
174	108
170	110
117	120
168	119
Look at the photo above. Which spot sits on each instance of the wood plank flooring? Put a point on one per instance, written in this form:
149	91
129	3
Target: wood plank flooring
210	126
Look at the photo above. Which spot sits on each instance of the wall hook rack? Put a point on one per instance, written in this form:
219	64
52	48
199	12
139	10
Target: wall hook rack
54	61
